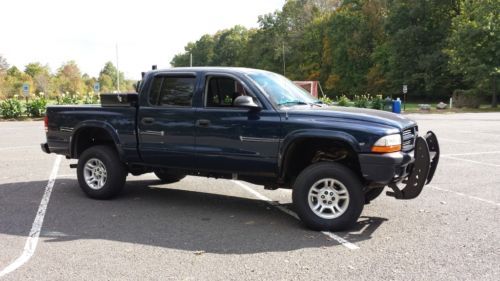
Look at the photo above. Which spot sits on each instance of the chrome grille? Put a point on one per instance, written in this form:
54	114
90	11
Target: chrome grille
409	136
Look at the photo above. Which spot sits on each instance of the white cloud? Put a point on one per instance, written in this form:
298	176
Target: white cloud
147	32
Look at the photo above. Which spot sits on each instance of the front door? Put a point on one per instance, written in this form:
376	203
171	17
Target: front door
232	139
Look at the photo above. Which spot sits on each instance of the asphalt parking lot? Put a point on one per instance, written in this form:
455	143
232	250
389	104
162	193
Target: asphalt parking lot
207	229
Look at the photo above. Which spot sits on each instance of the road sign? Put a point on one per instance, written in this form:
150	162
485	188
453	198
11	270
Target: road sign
405	89
26	89
97	87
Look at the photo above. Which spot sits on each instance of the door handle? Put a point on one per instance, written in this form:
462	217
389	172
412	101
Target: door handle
147	120
202	123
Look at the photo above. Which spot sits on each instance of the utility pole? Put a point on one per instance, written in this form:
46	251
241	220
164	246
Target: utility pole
117	71
284	61
190	59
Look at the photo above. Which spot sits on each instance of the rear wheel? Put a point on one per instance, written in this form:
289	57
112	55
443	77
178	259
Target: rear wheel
328	196
100	172
166	177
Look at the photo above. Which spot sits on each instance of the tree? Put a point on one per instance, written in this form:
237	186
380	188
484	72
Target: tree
229	45
109	74
40	75
3	72
3	65
417	32
474	45
69	78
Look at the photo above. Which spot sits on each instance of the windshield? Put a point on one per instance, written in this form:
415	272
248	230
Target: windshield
282	91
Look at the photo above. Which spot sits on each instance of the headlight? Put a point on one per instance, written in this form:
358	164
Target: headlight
391	143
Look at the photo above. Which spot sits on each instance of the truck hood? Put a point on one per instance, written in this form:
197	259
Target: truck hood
356	114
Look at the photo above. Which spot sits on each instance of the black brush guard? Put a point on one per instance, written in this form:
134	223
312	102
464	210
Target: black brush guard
421	171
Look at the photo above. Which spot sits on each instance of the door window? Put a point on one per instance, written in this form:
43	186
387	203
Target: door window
222	91
172	91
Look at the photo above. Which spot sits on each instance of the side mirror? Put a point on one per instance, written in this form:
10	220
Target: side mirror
245	101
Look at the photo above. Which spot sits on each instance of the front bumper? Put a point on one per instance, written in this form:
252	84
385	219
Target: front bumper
405	173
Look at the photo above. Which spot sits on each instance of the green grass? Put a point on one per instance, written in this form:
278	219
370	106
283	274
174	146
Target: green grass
415	108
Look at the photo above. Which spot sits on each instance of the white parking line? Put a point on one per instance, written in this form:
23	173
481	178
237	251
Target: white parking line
19	147
470	161
32	240
465	195
333	236
470	153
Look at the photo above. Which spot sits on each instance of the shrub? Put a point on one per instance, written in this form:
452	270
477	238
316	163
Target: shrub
67	99
377	102
91	99
466	98
11	108
326	100
36	107
343	101
361	101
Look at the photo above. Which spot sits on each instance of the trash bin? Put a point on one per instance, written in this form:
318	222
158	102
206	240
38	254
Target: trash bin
396	106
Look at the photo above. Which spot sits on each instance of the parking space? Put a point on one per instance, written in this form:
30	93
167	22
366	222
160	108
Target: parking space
212	229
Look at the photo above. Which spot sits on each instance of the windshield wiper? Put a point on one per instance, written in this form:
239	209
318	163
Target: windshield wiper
294	102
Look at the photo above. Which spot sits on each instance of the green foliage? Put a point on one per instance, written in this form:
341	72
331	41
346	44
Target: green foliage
361	101
343	101
417	32
377	102
326	100
11	108
474	45
36	107
67	99
91	98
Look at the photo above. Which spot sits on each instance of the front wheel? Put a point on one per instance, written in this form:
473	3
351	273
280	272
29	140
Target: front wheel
100	172
328	196
166	177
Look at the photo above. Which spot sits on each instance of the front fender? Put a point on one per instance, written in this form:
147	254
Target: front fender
314	133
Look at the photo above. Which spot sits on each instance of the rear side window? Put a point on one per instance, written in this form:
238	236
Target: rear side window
172	91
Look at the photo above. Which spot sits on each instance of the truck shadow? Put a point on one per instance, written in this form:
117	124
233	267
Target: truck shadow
176	219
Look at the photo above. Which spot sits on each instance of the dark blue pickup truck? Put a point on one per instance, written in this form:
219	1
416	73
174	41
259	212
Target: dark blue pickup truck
250	125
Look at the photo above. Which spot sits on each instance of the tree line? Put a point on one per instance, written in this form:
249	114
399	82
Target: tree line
67	80
354	47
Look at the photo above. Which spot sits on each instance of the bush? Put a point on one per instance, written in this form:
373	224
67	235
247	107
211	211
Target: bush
377	102
11	108
326	100
91	99
466	98
36	107
67	99
361	101
343	101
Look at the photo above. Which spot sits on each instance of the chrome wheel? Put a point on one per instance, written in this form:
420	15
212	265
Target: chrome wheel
328	198
95	173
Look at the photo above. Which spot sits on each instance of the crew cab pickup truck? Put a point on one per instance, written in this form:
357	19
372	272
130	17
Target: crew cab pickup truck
249	125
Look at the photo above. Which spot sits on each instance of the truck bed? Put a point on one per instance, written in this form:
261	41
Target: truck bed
64	121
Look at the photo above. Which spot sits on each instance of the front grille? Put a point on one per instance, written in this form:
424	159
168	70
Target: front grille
409	137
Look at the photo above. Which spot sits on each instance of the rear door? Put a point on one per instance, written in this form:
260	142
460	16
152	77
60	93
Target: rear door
166	121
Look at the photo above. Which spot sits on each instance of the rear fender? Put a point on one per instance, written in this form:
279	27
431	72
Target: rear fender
100	125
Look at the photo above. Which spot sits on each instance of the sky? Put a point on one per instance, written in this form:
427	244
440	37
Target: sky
146	32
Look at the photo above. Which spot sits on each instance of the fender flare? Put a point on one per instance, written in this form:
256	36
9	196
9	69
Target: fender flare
295	136
100	125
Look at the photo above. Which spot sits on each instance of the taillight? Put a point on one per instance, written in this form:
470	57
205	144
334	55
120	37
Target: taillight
46	123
